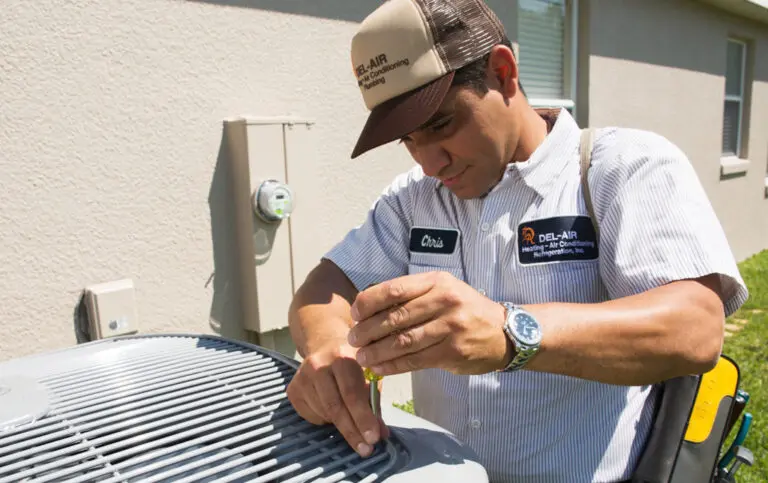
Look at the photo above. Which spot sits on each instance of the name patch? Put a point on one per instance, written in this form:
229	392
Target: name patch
558	239
433	240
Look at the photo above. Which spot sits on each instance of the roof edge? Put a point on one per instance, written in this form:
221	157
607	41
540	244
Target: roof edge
756	10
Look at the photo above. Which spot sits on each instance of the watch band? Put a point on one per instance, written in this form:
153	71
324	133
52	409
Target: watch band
523	351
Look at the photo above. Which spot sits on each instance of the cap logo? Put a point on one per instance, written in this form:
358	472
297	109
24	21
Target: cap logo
406	50
371	74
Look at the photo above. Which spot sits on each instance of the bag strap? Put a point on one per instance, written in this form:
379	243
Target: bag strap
587	141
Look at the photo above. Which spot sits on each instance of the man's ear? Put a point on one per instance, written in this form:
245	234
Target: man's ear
503	71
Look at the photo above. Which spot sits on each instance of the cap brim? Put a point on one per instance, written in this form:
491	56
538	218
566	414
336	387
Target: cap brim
403	114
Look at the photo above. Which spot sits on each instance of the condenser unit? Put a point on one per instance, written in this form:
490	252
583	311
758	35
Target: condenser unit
184	408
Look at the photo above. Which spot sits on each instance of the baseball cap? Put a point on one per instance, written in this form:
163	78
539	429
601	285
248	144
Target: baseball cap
404	56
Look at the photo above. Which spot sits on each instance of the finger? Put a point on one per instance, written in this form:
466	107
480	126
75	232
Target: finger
300	394
354	392
312	401
305	410
334	407
393	319
386	294
400	344
425	359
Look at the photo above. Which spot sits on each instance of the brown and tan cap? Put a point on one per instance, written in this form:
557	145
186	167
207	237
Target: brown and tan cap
404	56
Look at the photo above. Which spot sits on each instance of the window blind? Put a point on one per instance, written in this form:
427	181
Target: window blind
541	35
734	98
731	128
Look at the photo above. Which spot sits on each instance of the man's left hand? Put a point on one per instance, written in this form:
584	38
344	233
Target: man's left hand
428	320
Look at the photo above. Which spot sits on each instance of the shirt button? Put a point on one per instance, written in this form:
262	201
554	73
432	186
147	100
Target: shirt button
485	226
475	423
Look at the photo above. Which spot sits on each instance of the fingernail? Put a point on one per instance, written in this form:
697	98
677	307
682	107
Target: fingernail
363	449
361	357
370	437
351	338
355	313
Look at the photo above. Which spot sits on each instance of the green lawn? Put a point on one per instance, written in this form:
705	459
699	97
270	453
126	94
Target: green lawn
748	348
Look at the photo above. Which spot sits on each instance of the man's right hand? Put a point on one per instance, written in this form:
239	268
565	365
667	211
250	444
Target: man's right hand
329	387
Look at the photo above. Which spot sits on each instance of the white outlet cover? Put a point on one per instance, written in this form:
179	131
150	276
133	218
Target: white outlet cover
112	309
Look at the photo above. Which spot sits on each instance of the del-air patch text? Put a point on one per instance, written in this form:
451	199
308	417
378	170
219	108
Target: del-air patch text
556	239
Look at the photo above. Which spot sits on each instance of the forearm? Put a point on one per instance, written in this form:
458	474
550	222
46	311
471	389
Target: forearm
663	333
319	312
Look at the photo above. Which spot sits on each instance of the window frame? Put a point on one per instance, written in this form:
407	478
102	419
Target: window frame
733	98
570	64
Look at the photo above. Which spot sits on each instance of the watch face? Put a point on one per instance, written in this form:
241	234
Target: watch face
527	329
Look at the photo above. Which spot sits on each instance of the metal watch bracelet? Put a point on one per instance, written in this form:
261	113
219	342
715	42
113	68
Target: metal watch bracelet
522	352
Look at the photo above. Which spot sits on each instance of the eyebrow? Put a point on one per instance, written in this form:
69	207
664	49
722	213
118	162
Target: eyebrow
437	117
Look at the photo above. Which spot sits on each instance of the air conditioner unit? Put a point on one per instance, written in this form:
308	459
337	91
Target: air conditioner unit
184	408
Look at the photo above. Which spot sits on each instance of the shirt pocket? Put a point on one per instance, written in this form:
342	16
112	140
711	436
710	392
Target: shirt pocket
430	262
569	282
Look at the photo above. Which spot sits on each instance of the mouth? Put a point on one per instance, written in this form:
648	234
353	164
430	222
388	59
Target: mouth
453	180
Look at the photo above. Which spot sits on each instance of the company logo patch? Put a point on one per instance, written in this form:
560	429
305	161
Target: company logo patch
528	234
433	240
561	238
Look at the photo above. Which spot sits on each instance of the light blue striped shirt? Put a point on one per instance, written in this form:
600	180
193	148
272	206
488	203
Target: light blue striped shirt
656	226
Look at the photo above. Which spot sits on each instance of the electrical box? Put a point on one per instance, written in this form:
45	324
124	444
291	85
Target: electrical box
263	201
111	309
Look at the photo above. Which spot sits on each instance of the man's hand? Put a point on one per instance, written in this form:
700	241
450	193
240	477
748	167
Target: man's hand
428	320
329	387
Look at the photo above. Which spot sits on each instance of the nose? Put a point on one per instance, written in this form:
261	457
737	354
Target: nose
431	157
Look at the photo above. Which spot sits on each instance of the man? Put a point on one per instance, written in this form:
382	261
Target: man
532	336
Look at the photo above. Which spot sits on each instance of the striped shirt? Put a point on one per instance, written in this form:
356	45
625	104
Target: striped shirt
656	226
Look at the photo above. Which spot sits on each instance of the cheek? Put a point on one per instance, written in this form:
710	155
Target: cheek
475	146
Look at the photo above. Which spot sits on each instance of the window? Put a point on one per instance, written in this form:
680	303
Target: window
733	110
546	33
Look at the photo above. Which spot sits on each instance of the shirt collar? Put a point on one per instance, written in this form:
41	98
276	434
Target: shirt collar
549	159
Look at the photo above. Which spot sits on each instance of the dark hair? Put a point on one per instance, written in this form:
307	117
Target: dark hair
473	74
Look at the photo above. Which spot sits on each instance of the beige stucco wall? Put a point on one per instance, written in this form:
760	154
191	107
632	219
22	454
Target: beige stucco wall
659	65
111	132
113	163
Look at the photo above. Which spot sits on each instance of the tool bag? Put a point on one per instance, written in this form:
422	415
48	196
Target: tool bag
694	413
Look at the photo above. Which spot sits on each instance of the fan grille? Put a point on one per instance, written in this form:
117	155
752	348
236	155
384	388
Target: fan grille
181	409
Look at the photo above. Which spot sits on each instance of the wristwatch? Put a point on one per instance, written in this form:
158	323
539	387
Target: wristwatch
524	331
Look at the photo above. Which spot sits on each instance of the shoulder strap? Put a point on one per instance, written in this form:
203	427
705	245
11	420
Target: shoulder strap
587	141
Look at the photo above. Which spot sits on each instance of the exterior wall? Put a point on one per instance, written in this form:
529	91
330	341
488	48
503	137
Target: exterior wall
114	164
112	157
672	81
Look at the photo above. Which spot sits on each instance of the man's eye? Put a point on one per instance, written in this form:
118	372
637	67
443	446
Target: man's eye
436	127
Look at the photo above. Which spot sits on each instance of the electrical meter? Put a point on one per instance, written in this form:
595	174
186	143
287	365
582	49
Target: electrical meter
273	201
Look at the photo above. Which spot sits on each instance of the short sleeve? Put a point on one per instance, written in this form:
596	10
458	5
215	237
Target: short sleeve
377	250
657	224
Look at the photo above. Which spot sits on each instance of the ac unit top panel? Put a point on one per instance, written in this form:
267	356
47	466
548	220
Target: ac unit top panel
188	408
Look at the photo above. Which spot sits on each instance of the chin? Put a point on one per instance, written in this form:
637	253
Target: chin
466	193
471	191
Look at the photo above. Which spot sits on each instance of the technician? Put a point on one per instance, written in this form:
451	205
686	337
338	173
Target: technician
534	337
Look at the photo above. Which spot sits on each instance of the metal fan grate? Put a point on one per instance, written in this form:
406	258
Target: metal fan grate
181	409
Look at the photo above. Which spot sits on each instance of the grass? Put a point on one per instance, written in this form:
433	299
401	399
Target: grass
407	407
748	348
